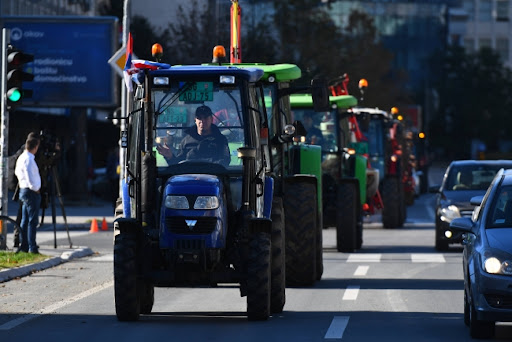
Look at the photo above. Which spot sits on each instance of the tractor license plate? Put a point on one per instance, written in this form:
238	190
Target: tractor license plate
198	92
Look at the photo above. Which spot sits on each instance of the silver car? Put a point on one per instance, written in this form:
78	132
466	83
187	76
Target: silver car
487	257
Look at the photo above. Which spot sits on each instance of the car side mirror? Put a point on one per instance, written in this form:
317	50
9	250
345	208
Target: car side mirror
476	201
462	224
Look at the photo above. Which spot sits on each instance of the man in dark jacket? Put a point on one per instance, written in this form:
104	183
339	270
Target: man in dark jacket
203	141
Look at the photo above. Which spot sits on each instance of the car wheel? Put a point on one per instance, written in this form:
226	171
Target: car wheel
479	329
441	245
466	309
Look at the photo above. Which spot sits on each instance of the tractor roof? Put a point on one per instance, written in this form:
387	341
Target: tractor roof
282	72
306	100
373	111
251	74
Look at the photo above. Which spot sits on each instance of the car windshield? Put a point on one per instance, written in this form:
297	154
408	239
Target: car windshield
471	177
501	210
198	121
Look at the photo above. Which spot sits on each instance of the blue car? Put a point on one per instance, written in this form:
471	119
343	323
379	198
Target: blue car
487	257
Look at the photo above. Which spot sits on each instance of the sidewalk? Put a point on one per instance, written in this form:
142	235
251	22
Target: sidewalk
78	216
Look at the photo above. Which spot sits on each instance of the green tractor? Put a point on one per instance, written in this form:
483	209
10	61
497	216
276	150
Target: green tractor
343	166
297	186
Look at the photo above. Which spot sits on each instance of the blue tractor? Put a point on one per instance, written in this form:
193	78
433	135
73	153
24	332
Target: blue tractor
197	211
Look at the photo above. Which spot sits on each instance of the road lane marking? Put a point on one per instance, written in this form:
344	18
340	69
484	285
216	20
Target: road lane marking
425	257
351	292
369	257
54	307
337	327
361	270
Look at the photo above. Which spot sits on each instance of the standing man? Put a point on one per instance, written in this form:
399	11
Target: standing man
29	181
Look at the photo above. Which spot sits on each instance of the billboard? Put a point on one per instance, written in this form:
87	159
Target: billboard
71	56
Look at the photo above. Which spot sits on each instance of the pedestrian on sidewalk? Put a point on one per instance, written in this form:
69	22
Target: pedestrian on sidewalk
29	181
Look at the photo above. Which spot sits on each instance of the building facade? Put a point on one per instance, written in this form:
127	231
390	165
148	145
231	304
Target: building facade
475	24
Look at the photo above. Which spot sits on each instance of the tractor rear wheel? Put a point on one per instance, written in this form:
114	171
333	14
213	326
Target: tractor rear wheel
392	211
127	297
258	277
346	218
147	296
300	208
278	297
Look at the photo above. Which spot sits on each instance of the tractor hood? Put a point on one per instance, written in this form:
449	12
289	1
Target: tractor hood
193	184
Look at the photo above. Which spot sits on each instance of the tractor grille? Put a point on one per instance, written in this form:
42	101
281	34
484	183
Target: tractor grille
178	225
188	245
499	301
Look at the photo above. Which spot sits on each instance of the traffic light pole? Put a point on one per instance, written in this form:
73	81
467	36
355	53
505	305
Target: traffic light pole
4	138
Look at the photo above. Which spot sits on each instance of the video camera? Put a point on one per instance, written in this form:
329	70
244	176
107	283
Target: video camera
49	151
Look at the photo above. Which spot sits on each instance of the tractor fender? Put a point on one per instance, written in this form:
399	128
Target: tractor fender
125	195
267	196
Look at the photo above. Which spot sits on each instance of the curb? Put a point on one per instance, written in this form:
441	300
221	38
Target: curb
25	270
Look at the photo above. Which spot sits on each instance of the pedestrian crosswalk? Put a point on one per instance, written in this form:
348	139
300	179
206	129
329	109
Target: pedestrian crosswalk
413	257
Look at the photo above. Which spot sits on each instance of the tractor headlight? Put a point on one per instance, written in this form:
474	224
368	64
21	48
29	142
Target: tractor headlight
206	202
176	202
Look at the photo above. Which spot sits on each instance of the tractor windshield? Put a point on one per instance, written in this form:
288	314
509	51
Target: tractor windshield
198	122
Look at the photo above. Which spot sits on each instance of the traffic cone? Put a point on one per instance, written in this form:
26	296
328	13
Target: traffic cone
104	225
94	226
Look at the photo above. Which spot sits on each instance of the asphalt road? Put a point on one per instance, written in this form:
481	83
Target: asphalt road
397	287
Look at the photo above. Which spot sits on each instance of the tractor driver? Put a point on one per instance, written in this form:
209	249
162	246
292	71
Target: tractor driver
203	141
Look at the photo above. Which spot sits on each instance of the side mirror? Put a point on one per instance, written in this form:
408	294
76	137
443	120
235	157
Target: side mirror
462	224
476	201
320	95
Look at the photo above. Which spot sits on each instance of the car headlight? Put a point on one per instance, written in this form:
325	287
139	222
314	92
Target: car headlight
449	213
176	202
206	202
496	262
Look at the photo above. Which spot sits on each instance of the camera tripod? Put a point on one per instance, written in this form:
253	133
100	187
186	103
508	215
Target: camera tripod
54	187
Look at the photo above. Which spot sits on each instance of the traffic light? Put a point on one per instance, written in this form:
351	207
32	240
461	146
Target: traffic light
15	93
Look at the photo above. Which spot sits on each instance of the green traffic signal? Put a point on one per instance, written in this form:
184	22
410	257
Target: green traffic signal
14	95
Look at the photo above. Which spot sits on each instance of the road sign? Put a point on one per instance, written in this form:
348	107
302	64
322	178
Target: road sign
118	60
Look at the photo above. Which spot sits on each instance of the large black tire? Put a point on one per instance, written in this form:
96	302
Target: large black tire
147	296
319	246
441	245
359	239
392	212
278	282
347	217
127	297
258	277
300	208
403	206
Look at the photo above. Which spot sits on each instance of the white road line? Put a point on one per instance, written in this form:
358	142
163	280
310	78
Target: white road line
369	257
361	270
351	292
420	257
54	307
337	327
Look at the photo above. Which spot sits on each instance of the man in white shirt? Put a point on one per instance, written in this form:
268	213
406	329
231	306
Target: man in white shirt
29	181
